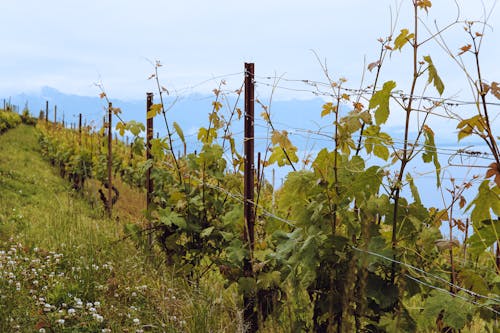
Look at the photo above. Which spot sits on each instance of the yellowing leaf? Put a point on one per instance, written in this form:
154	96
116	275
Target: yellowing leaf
328	108
154	110
358	106
217	105
283	151
462	202
380	101
464	49
120	127
265	116
495	89
402	39
486	88
467	126
207	136
433	75
494	170
424	4
102	95
372	65
180	133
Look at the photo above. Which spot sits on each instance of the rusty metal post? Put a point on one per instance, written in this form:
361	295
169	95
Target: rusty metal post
149	181
109	205
46	110
249	300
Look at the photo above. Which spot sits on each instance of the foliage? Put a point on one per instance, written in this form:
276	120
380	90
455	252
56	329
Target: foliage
8	120
341	246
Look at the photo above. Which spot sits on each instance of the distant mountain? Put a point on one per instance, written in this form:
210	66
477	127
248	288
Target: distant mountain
189	111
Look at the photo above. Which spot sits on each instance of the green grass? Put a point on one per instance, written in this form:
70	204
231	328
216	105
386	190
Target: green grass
64	267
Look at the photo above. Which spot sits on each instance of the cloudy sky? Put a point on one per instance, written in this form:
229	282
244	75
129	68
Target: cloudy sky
69	45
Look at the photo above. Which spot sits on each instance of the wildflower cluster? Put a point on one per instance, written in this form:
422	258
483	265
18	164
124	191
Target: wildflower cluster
42	291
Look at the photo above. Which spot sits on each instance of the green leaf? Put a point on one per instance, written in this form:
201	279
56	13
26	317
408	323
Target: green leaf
269	279
456	313
413	188
282	148
430	154
433	75
471	280
487	200
179	131
169	218
236	252
381	292
247	285
158	147
402	39
377	142
380	101
484	236
135	127
206	232
381	151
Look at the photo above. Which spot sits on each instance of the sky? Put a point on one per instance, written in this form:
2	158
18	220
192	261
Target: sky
69	45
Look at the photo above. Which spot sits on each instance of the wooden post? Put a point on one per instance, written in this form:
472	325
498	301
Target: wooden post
55	115
80	129
258	169
110	162
274	190
249	300
46	111
149	181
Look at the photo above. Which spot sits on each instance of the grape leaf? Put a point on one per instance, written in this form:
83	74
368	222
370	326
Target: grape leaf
487	200
380	101
154	110
430	154
433	75
402	39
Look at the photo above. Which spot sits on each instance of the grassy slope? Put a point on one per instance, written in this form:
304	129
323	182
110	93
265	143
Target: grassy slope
59	255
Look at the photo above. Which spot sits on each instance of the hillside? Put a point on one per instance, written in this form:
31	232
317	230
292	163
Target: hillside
65	268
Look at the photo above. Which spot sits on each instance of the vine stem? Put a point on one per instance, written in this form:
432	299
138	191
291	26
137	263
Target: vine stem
396	190
169	133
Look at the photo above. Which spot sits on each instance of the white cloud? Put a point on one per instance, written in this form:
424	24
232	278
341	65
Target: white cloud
70	43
